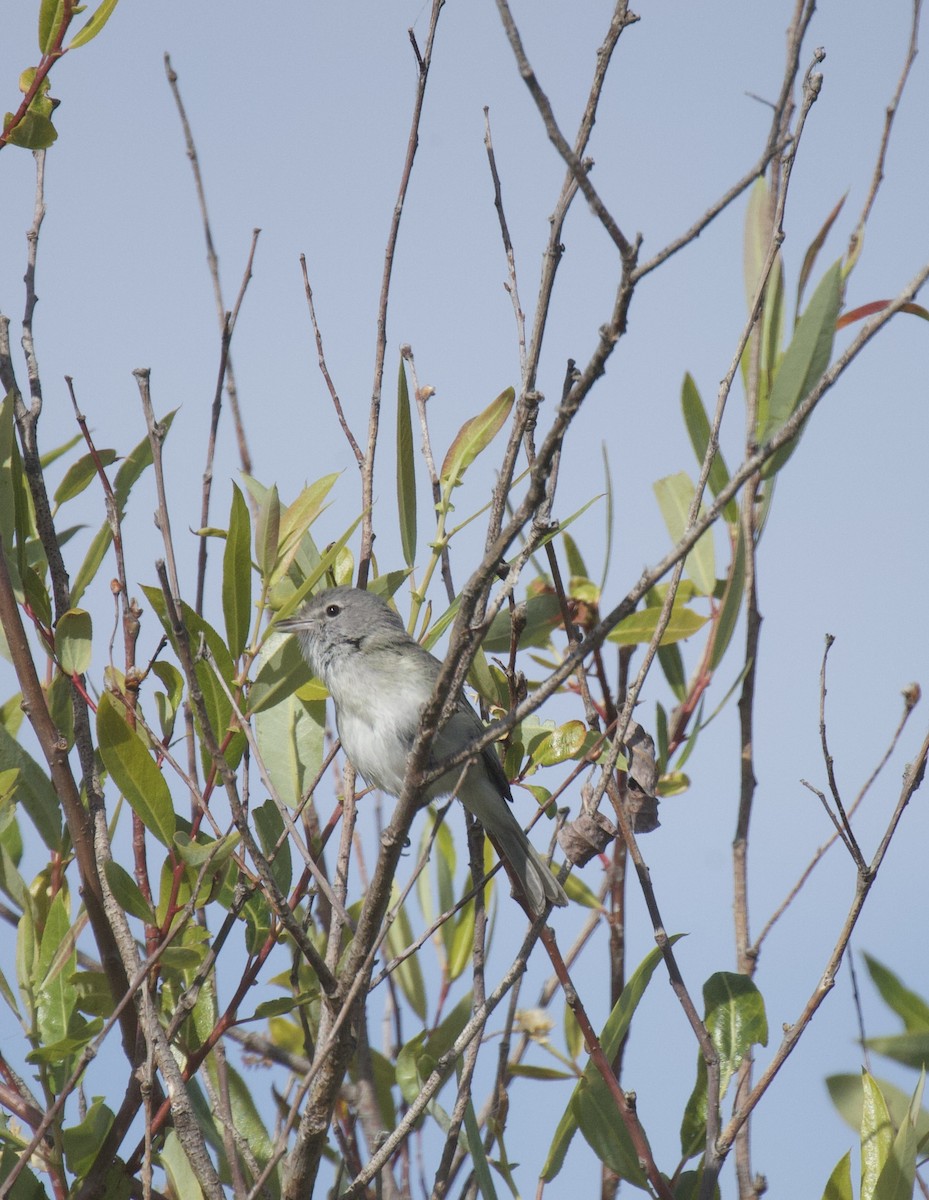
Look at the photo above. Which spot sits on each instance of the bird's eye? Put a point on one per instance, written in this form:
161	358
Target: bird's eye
332	610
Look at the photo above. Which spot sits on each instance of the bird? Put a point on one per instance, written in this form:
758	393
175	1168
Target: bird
380	679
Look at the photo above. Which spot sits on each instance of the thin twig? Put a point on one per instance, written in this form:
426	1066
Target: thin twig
422	395
529	398
576	165
276	900
228	328
793	1032
859	1011
424	62
910	698
889	115
654	574
842	823
511	285
156	435
324	368
232	392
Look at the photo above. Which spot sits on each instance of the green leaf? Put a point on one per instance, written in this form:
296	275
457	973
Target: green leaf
290	738
846	1094
98	19
215	851
912	1010
732	603
759	233
269	826
804	361
614	1031
34	131
177	1168
37	595
138	459
698	427
573	1036
130	765
411	1068
168	701
81	474
877	1136
218	705
812	252
543	616
409	973
570	740
245	1117
34	791
50	16
898	1175
911	1049
82	1142
282	671
639	627
61	1054
549	1074
488	680
406	473
268	532
839	1186
127	892
479	1163
237	575
57	452
600	1123
735	1018
73	641
328	560
13	491
462	942
129	471
608	524
55	1000
757	236
95	555
672	664
92	993
576	564
473	437
296	519
675	495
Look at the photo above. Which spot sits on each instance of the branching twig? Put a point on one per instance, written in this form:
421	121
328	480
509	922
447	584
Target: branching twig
912	780
424	61
511	284
245	457
324	368
653	575
890	114
910	698
578	168
228	327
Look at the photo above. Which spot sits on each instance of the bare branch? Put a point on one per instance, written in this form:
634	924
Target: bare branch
321	357
424	62
889	116
212	258
228	326
912	780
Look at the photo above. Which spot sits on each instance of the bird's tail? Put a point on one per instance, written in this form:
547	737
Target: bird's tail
539	885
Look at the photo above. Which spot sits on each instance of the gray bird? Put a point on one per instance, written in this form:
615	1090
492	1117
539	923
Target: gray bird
380	679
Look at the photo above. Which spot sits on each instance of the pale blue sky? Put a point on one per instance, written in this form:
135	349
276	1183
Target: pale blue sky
301	113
